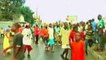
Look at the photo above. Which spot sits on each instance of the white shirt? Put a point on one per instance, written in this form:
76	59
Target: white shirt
80	28
27	35
51	33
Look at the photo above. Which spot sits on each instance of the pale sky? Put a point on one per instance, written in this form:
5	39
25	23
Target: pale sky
54	10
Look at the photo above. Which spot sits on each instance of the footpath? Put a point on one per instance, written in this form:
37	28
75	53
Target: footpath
98	55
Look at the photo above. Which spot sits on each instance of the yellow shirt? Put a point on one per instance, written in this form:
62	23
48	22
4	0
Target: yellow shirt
64	36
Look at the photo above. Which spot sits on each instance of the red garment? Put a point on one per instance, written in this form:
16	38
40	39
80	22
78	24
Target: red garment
82	35
20	30
27	47
72	36
78	52
46	34
41	32
36	31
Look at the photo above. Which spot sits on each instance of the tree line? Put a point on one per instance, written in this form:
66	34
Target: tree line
11	8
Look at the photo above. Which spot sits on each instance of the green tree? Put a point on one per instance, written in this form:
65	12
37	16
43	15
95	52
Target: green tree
28	14
8	8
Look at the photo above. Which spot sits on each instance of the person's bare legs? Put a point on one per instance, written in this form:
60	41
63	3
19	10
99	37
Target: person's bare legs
52	48
66	54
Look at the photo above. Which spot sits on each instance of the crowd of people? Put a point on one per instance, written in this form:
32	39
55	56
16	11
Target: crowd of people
71	37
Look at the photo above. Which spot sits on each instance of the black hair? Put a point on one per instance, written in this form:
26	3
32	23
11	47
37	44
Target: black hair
99	17
36	25
93	19
75	28
27	26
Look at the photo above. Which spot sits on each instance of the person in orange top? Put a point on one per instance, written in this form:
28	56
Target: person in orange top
41	32
78	51
45	37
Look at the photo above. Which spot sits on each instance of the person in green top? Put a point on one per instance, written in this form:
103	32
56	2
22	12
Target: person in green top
100	33
101	23
18	53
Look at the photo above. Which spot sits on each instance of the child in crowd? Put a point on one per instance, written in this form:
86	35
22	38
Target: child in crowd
64	32
27	37
77	52
51	37
18	53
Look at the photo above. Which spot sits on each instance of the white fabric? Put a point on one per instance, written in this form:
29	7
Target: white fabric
65	46
80	28
86	26
2	31
27	35
51	33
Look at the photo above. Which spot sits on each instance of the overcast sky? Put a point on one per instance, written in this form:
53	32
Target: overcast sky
54	10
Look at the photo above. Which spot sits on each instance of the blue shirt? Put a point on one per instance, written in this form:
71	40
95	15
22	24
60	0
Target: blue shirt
94	25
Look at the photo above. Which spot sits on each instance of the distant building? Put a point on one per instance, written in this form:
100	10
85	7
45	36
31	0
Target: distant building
18	18
4	24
